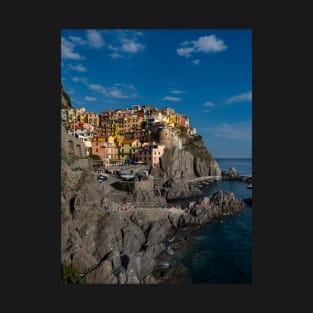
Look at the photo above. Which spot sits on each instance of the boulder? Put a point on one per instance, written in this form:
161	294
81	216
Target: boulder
232	172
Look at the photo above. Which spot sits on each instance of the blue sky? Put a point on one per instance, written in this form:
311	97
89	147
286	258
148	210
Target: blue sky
203	73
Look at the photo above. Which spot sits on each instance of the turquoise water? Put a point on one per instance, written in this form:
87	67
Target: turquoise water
221	251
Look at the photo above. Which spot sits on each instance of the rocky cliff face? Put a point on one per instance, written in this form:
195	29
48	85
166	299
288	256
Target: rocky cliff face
65	100
107	246
180	165
112	247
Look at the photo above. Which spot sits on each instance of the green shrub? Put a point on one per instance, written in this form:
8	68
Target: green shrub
182	130
70	275
197	137
68	100
95	157
196	147
63	211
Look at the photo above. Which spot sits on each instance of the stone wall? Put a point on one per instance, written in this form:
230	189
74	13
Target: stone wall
169	138
72	146
73	150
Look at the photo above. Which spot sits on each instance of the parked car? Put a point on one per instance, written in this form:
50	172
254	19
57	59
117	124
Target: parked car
102	178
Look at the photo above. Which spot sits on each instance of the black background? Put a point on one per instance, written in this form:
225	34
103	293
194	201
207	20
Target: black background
31	142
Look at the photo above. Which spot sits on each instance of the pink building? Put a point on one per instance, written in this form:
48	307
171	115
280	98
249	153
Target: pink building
150	154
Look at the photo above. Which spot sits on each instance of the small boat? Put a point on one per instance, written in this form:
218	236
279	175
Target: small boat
126	176
249	186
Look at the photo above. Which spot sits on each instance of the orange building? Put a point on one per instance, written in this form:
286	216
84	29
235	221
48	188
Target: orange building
105	148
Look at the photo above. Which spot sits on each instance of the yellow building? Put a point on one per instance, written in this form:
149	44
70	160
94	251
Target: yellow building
173	118
77	114
119	127
71	115
127	148
92	118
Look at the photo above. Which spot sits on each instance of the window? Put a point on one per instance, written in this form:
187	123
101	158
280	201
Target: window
71	147
96	143
79	150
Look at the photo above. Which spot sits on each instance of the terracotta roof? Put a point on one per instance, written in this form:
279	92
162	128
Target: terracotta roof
128	141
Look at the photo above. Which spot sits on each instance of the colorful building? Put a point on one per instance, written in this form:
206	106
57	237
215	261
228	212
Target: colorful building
128	148
150	154
92	118
105	148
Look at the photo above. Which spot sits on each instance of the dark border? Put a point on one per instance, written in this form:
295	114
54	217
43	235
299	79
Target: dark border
34	263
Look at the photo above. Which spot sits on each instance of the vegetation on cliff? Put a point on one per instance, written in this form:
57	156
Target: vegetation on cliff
70	275
65	100
195	145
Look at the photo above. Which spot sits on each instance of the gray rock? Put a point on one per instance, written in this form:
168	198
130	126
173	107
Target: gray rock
102	274
121	248
180	165
232	172
158	231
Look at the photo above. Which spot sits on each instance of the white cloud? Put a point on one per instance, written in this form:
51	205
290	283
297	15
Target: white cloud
90	98
96	87
209	104
131	46
67	50
197	62
209	44
116	55
241	131
247	96
172	99
80	79
185	43
110	47
124	42
185	52
116	93
119	90
79	68
177	92
77	40
205	44
95	39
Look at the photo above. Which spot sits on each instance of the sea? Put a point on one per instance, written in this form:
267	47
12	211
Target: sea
221	251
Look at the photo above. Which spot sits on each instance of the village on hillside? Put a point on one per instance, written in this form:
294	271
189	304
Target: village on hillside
136	135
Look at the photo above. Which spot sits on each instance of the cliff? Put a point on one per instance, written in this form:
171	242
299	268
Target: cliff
177	166
65	100
110	247
106	246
